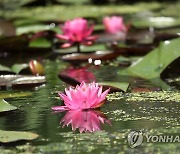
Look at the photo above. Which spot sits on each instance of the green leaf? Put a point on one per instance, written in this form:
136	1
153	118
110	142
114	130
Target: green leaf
119	85
5	106
31	28
155	62
40	43
4	68
12	136
16	68
12	95
157	22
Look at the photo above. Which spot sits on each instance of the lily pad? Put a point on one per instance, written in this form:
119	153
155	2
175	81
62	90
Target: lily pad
98	55
157	22
12	136
21	80
5	106
40	42
115	86
153	64
16	68
14	94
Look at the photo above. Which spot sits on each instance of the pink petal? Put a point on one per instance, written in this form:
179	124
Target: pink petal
103	95
60	108
64	37
66	45
92	38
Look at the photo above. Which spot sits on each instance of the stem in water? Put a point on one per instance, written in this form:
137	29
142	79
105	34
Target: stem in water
78	48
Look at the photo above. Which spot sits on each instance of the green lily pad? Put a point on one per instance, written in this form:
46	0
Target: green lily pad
40	43
12	95
153	64
5	106
16	68
4	68
116	85
12	136
157	22
95	47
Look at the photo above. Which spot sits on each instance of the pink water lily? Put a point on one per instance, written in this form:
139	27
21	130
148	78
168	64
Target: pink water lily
85	120
114	24
77	31
84	96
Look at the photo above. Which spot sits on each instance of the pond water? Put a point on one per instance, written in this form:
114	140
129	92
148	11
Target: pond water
153	114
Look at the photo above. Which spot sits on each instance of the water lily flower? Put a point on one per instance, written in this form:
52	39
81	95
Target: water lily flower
77	31
85	120
84	96
114	24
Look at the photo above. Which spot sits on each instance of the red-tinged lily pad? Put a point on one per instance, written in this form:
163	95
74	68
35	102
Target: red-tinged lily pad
15	81
69	80
5	106
13	136
98	55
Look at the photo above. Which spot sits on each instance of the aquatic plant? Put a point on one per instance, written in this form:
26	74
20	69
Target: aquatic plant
84	96
77	32
114	24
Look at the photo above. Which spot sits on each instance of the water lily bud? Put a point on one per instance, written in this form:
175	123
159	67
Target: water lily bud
36	67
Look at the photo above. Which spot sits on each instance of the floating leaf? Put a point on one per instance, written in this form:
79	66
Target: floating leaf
21	81
5	106
84	49
40	43
12	136
98	55
31	28
115	86
12	95
152	65
4	68
16	68
157	22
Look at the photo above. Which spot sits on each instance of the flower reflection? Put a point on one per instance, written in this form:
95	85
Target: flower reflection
85	120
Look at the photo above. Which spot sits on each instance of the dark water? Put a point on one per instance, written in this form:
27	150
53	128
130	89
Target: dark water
34	114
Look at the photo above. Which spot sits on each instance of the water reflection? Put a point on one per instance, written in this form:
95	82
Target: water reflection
80	74
84	120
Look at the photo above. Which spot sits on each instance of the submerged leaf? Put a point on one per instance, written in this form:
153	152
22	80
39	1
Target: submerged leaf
5	106
12	136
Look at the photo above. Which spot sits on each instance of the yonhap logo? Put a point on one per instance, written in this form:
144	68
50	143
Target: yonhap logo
135	138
